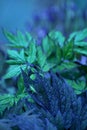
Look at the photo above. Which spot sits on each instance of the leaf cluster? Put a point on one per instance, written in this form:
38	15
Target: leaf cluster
46	75
56	53
55	106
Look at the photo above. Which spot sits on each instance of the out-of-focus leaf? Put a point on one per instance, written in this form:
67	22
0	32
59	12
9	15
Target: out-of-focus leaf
66	73
41	58
16	57
31	52
18	40
78	36
33	76
57	37
11	37
72	36
48	46
22	39
79	86
66	65
28	37
81	51
14	70
58	54
81	35
20	85
14	62
6	101
68	50
32	89
81	44
47	67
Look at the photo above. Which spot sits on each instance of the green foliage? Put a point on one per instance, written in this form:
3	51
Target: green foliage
17	57
48	46
68	50
41	57
80	42
9	100
18	40
81	35
43	87
66	66
6	101
79	86
57	37
55	53
31	53
14	70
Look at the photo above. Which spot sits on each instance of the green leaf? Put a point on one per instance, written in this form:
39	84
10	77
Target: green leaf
47	67
81	35
14	62
17	57
31	52
68	50
22	39
58	37
72	36
32	89
78	36
33	76
20	85
41	58
81	44
6	101
19	40
28	37
14	70
79	86
81	51
58	54
66	65
48	46
11	37
21	54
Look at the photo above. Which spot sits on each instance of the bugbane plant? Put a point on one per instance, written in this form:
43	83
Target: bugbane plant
55	105
51	91
56	53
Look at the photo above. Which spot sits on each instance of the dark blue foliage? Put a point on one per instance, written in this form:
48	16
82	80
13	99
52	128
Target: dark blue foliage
55	106
58	99
26	121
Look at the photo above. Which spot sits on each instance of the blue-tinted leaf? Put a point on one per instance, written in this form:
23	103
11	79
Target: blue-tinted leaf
41	58
14	71
81	35
81	51
58	37
16	56
31	52
48	46
68	50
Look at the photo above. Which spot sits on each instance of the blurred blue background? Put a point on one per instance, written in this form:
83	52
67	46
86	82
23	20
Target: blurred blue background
18	14
15	13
